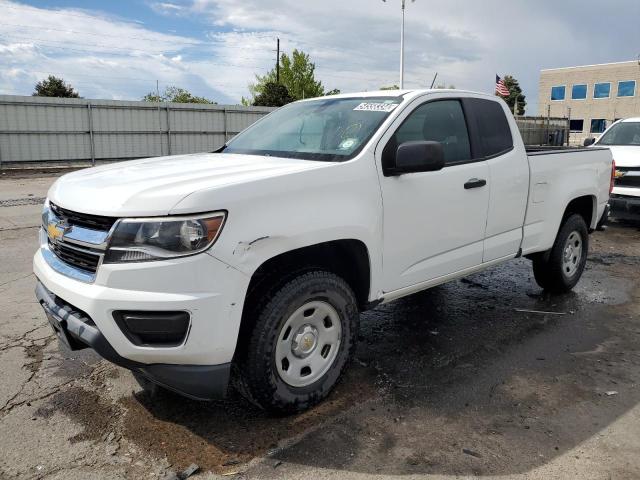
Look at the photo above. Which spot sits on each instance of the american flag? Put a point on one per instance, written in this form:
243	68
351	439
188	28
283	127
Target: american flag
501	88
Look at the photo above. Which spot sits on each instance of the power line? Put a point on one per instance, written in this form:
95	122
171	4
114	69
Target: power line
111	77
203	45
48	44
102	35
53	12
173	38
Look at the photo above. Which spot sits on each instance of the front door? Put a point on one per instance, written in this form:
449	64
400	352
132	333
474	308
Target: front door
434	222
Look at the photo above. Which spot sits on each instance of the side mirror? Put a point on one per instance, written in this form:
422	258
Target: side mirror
419	156
589	141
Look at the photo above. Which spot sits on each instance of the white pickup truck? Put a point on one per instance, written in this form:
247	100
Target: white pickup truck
250	265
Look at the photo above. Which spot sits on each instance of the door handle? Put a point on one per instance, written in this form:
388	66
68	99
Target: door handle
475	183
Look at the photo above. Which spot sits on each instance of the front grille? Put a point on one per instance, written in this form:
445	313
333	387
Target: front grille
85	220
82	259
629	180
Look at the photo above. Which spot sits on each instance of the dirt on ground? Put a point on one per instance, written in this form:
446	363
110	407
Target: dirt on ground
486	376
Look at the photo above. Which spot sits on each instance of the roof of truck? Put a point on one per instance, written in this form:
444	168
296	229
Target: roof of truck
403	93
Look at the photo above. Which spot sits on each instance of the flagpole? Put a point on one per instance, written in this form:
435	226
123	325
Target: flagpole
403	6
402	50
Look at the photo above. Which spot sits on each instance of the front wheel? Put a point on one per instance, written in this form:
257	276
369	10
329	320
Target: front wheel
303	336
562	269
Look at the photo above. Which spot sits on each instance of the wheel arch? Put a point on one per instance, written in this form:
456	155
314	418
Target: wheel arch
586	206
347	258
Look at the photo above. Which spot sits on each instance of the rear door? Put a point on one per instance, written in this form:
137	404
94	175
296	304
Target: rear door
434	222
500	144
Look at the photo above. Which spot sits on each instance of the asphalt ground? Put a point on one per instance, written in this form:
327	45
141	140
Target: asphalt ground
483	377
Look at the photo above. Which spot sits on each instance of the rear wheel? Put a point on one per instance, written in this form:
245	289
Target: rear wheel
561	270
303	335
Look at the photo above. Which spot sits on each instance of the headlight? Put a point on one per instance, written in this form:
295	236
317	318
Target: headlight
145	239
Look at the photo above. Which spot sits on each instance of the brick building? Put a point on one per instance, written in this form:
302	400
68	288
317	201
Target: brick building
592	96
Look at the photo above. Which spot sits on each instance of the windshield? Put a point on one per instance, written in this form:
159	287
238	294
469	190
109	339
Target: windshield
624	133
327	129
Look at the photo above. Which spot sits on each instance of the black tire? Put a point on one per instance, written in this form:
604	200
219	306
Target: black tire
548	269
257	376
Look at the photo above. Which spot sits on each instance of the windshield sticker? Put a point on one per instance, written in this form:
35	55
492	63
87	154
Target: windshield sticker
376	107
348	143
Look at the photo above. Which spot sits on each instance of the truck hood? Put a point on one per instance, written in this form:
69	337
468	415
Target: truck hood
626	156
154	186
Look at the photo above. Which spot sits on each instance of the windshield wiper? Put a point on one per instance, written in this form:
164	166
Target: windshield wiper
221	149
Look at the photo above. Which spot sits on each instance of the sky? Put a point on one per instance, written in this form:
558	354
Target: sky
118	49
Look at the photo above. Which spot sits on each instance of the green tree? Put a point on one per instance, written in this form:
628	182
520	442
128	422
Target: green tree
174	94
54	87
297	73
335	91
515	92
390	87
273	95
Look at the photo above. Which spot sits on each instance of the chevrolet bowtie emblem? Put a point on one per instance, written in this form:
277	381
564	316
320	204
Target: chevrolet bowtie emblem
56	230
620	174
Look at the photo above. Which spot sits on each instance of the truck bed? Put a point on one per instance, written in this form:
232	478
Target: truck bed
557	177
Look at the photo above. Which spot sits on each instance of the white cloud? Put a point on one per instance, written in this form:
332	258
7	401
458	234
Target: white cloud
354	44
102	56
166	8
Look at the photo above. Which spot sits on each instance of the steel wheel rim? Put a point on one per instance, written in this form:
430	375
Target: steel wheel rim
308	344
572	254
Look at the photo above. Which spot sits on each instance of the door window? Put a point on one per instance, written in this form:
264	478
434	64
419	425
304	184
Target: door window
438	121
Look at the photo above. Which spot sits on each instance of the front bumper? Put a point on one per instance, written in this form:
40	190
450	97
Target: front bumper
210	291
625	207
77	331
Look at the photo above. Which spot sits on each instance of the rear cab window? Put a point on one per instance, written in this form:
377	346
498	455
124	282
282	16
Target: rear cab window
494	136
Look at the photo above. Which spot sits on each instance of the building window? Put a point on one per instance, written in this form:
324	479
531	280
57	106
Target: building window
602	90
558	93
627	89
579	92
576	126
598	125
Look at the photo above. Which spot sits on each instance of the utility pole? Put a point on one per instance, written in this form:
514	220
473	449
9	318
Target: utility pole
278	60
159	117
402	44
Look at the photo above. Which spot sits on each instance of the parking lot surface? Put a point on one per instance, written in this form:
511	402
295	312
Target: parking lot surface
483	377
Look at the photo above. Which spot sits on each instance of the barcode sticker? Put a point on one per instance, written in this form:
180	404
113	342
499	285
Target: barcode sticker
376	107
